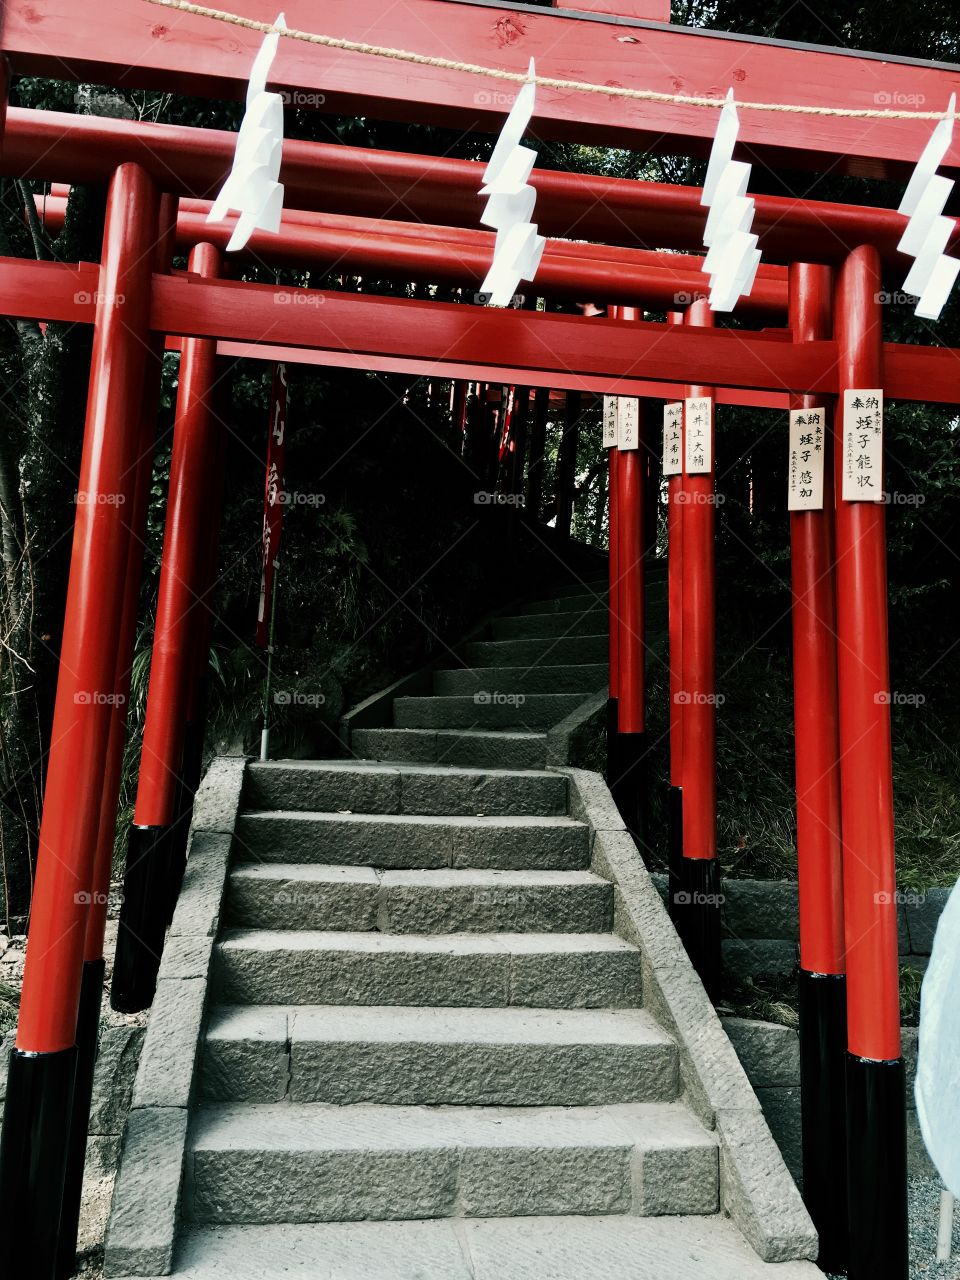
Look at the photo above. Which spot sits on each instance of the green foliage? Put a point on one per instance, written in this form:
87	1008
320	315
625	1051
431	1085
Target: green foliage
772	997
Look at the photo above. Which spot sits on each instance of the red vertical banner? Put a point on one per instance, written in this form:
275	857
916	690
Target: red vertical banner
273	496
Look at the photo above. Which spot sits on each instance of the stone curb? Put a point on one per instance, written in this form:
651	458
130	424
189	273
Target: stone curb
756	1190
141	1232
566	739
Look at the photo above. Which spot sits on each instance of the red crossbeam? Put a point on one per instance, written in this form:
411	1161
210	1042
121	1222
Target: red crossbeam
565	347
460	257
136	45
435	189
745	397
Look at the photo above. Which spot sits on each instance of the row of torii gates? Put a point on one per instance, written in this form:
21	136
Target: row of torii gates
411	217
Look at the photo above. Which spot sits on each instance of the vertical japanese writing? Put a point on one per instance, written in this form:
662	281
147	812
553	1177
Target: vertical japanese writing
628	422
673	438
272	498
699	436
807	452
863	446
609	421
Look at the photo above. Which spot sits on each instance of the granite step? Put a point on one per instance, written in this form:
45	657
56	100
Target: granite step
549	650
310	1162
338	785
299	896
539	625
582	678
608	1247
474	748
488	708
437	1057
546	970
408	841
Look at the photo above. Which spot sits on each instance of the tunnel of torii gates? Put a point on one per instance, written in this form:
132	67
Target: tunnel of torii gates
412	218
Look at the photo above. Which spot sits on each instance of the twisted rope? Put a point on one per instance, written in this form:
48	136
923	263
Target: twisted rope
547	82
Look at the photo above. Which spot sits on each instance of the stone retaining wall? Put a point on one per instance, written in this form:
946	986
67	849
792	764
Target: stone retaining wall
112	1089
760	924
770	1055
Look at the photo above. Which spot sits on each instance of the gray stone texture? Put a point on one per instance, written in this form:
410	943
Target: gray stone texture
217	801
117	1060
553	970
331	786
145	1208
452	747
143	1218
245	1056
459	901
569	651
493	750
757	1191
165	1077
409	841
506	1057
320	1163
768	1052
298	896
570	738
536	711
201	897
760	909
581	678
542	625
445	791
781	1110
755	1187
759	955
185	956
561	1248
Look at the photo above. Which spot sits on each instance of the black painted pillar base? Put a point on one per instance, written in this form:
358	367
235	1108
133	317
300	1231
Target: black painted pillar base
33	1160
697	917
877	1169
613	740
823	1107
143	919
88	1029
177	837
191	768
674	848
631	793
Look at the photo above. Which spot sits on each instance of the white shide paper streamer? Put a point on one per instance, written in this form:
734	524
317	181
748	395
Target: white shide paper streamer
934	273
251	188
732	257
510	202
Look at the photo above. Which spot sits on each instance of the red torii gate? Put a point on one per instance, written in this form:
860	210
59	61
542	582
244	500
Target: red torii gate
625	356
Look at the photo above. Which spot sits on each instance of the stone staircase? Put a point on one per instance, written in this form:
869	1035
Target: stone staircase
534	669
426	1054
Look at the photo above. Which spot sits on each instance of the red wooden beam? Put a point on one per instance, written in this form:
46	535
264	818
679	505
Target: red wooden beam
459	256
481	373
435	189
566	350
135	45
559	343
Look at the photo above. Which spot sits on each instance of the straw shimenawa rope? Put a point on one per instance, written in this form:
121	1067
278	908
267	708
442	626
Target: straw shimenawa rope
547	82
